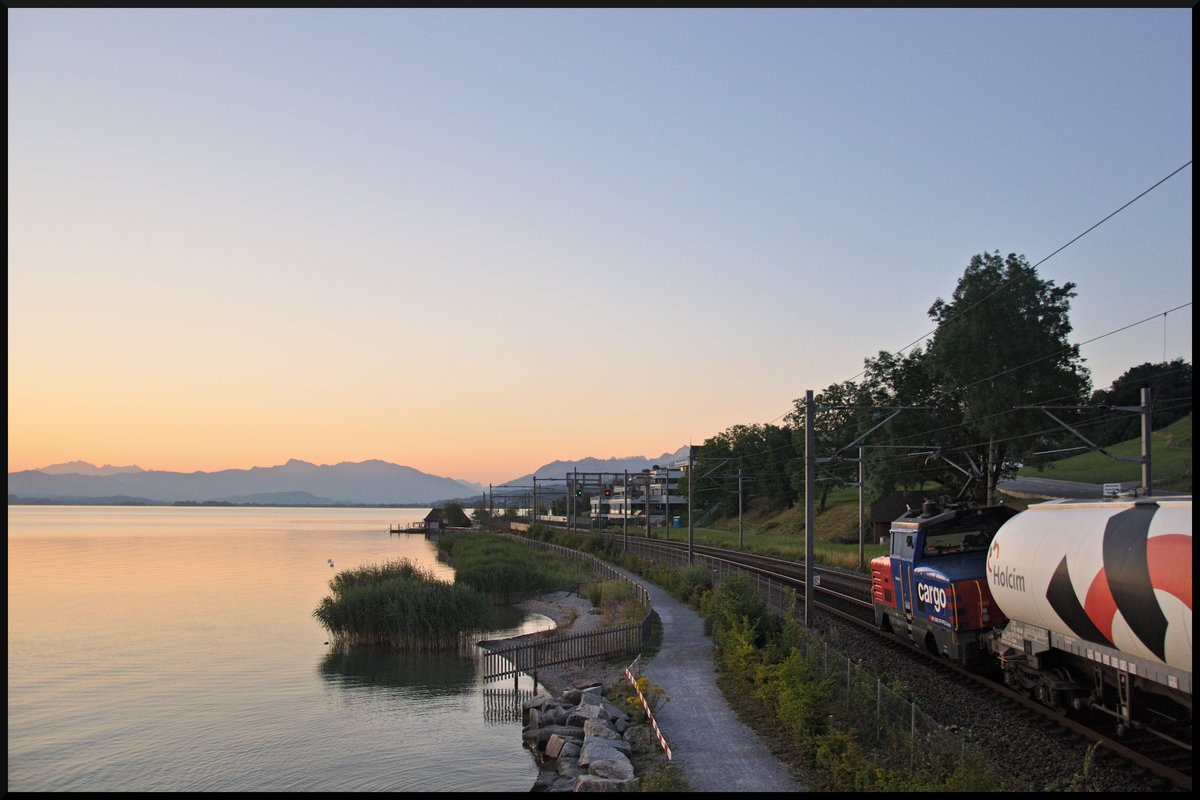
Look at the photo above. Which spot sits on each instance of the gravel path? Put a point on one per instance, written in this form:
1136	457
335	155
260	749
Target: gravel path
713	749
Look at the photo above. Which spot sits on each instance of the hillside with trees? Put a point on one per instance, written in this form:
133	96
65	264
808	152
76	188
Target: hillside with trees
954	415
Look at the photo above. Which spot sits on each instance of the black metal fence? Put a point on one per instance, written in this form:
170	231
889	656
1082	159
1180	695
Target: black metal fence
510	660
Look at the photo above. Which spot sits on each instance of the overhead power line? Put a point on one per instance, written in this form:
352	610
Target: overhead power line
1126	205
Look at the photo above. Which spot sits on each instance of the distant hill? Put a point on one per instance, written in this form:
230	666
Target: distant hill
84	468
296	482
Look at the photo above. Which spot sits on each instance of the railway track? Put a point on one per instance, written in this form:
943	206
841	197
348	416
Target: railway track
847	596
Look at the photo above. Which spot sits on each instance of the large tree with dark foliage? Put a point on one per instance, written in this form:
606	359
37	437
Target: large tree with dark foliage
921	443
843	415
454	515
1170	384
761	453
1000	346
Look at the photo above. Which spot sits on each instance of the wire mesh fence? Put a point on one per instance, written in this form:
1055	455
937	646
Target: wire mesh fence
863	702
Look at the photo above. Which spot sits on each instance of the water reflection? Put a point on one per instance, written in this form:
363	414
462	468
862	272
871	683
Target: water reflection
443	672
447	673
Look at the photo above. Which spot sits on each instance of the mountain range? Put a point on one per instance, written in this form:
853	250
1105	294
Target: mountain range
609	466
371	482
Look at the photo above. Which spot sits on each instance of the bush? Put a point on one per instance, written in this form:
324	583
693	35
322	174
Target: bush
735	599
686	581
625	697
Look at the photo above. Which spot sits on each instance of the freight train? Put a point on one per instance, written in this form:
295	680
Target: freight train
1080	604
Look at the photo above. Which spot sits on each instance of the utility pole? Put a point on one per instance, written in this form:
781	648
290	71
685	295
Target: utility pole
625	513
646	497
1143	459
1147	486
862	479
810	411
691	482
741	537
667	506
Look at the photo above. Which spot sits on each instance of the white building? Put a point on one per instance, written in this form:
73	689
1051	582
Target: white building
655	492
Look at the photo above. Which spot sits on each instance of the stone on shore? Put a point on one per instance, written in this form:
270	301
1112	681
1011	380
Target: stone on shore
579	743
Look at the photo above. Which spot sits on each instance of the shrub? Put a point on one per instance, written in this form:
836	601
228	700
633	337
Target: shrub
687	580
625	696
734	599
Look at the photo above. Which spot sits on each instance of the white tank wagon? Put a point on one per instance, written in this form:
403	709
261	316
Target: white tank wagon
1098	595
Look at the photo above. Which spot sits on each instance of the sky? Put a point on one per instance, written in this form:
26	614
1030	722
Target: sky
477	241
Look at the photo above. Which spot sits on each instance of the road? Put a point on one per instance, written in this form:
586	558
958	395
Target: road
1048	488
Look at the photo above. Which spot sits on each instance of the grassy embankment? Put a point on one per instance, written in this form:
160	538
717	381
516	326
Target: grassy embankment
781	532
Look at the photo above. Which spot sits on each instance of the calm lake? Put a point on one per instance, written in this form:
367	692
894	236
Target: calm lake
174	649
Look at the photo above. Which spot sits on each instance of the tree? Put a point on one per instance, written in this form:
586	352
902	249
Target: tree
1001	343
834	428
1170	385
454	516
922	444
760	452
558	506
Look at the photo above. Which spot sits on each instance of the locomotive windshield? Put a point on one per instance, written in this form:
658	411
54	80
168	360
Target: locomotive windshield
962	541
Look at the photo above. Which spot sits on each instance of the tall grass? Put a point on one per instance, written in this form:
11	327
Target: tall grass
401	605
506	570
617	601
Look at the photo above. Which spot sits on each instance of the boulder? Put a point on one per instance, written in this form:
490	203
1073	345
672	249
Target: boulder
578	739
538	737
580	714
617	769
568	768
591	783
598	749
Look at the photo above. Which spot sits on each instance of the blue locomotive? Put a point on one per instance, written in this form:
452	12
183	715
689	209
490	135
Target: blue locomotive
932	587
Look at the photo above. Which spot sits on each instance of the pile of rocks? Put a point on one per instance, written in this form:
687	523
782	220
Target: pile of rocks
578	742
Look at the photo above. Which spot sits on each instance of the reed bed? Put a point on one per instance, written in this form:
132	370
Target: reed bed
401	605
507	571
